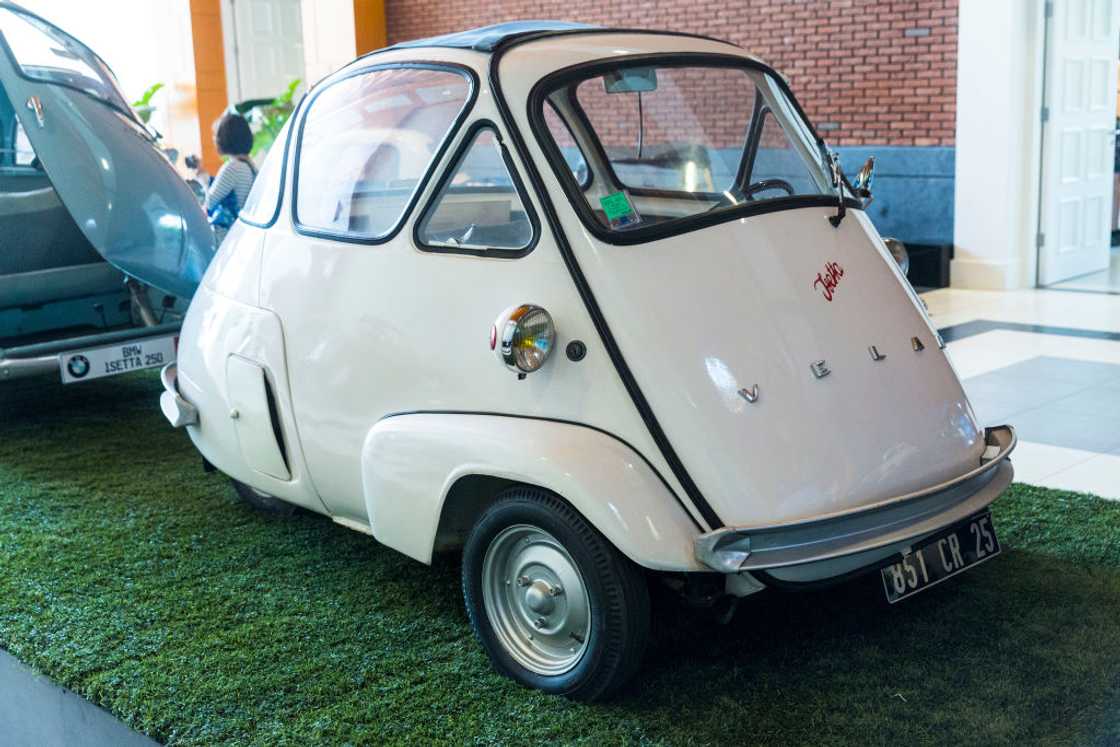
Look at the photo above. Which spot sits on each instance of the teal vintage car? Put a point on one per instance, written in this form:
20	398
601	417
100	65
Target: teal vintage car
102	243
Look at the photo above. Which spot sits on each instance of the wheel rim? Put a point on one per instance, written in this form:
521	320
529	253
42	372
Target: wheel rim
536	599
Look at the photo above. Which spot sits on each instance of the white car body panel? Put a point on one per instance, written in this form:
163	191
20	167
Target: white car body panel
350	336
410	462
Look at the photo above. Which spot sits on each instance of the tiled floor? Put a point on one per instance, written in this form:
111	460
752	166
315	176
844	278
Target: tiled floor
1107	280
1047	362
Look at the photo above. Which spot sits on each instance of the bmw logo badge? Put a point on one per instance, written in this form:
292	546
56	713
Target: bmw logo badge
78	366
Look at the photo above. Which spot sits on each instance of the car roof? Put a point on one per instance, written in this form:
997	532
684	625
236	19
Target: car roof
488	38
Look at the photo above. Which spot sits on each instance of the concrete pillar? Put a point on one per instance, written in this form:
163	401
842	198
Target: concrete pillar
370	28
210	74
998	143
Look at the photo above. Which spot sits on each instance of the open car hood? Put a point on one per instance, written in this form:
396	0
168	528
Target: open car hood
122	191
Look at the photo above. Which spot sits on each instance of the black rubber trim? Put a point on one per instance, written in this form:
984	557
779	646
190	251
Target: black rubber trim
274	419
283	173
609	343
449	173
437	157
557	80
621	440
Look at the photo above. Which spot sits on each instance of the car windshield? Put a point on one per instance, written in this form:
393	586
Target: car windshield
665	142
45	53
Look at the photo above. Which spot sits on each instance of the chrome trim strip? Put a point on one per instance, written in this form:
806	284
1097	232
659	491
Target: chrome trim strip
735	549
19	368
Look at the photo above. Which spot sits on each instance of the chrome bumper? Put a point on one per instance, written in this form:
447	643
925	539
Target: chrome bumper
20	368
177	410
889	522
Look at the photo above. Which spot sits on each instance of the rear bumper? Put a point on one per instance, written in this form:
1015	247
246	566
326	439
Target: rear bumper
177	410
42	358
862	531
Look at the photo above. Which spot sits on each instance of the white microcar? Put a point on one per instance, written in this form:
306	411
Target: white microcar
599	308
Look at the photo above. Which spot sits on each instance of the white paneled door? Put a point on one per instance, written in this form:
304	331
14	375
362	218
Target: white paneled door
269	46
1083	43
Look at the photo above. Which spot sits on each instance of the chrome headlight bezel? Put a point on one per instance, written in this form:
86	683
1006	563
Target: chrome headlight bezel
525	337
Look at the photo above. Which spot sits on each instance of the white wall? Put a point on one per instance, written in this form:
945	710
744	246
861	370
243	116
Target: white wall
999	97
145	42
329	41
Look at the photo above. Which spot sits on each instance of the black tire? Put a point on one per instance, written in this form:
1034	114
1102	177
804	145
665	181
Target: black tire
615	589
262	501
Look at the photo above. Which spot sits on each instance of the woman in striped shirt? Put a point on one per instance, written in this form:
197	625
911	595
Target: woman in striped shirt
230	188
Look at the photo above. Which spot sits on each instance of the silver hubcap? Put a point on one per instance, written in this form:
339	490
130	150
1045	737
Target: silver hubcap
536	600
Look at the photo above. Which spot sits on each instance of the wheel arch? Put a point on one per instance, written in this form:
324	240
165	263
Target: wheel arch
427	477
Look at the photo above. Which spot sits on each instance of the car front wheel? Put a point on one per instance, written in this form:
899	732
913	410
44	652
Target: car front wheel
554	604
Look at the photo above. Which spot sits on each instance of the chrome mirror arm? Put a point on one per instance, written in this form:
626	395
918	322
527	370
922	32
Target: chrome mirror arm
838	184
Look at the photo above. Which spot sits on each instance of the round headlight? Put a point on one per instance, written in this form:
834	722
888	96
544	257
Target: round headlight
526	336
898	251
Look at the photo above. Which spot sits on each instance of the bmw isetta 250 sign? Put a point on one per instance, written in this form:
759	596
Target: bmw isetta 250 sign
598	308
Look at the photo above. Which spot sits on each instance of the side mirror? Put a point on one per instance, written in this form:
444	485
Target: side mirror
864	179
899	252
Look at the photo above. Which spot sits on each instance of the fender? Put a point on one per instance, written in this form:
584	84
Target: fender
242	342
411	461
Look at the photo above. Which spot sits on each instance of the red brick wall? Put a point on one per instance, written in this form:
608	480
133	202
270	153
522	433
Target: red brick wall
867	72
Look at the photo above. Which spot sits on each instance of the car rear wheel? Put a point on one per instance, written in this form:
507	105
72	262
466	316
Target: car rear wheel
262	501
554	604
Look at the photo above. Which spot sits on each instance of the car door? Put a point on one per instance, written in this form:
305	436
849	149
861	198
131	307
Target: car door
107	168
410	231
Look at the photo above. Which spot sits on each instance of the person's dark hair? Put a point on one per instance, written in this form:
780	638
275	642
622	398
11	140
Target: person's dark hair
232	135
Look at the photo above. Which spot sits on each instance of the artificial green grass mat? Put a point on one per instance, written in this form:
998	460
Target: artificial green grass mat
138	581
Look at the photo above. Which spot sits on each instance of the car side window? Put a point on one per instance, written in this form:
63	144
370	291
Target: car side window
568	146
368	142
264	198
478	205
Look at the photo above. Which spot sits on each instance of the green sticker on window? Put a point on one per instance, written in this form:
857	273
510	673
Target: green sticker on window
616	206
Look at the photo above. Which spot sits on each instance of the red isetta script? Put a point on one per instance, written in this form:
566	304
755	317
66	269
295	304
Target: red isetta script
829	279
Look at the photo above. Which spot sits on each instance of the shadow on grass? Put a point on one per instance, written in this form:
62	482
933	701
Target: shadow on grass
140	582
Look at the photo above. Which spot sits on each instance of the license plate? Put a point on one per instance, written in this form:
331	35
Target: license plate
945	554
95	363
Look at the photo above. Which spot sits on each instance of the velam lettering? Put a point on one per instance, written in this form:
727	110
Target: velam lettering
829	279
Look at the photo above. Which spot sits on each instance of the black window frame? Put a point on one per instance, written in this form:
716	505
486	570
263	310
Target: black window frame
283	173
468	105
465	144
561	78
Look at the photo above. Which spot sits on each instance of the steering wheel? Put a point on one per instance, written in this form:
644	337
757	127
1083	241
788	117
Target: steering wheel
767	184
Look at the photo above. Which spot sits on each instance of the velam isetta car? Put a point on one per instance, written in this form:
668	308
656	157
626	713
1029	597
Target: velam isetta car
599	308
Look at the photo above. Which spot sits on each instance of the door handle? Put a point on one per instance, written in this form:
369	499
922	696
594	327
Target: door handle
35	104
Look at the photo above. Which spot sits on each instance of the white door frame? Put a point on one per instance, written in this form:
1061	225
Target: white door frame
229	48
1049	266
998	143
234	85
